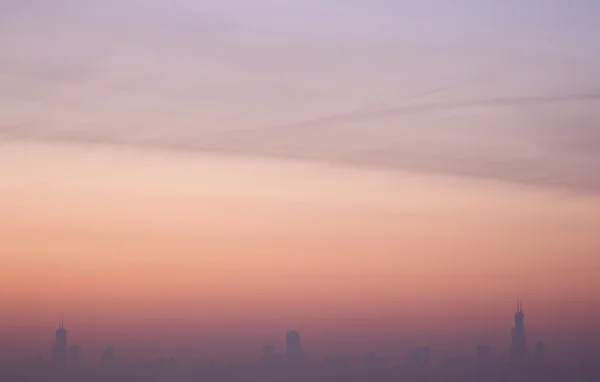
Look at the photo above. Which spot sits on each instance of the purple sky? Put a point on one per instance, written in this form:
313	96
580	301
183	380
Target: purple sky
500	90
497	89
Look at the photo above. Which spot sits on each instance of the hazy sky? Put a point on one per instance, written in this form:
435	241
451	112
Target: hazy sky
501	89
300	162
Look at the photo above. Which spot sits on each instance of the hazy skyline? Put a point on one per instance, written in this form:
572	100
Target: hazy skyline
251	167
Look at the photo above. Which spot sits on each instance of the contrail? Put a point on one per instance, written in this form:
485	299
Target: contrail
509	101
359	115
360	112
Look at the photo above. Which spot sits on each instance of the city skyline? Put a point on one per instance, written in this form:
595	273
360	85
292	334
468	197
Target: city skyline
432	247
63	353
195	178
484	363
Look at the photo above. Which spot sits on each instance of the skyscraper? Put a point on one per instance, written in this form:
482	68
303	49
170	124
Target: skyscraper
518	346
269	357
74	357
294	351
483	354
107	358
540	352
419	357
483	366
59	351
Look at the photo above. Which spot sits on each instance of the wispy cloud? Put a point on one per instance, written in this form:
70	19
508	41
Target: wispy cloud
195	76
364	114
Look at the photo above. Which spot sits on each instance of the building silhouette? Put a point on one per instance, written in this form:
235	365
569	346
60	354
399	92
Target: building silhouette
59	350
483	362
107	359
294	352
75	360
518	346
375	361
540	352
269	356
483	354
419	357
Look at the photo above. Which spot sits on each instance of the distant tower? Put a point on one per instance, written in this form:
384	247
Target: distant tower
374	361
108	357
294	351
483	365
518	346
483	354
74	356
269	351
269	356
59	351
419	357
540	352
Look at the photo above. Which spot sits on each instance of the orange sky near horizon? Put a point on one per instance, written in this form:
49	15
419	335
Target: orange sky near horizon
128	240
205	175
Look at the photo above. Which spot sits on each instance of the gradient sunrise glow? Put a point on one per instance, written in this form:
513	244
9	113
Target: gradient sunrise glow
204	176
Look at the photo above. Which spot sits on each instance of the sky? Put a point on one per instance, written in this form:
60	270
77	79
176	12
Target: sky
359	170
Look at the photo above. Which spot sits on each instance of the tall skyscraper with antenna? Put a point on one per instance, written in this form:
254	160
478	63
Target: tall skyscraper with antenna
59	351
518	346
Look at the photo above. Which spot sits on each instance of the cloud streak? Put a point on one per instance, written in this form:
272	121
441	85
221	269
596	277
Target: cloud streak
364	114
130	75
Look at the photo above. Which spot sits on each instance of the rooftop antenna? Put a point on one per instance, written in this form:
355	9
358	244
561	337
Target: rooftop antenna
519	306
